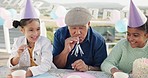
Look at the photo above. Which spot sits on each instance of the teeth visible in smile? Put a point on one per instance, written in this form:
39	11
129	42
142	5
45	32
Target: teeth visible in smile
34	37
132	42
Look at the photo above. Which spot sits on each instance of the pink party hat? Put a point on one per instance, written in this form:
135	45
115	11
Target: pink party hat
136	17
29	11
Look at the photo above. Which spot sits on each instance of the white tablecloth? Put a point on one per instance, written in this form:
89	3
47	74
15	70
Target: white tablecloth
59	73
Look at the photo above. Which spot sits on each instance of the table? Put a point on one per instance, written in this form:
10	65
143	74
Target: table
58	73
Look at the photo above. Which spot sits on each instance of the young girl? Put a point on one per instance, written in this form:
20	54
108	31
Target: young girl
31	49
128	50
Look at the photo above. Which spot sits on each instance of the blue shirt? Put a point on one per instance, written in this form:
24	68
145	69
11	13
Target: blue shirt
93	46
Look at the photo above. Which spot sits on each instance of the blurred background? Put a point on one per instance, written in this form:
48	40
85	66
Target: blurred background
109	19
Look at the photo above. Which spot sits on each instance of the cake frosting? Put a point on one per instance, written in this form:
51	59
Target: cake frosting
140	68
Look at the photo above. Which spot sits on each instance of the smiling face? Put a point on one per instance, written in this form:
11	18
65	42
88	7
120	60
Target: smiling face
31	31
79	31
137	38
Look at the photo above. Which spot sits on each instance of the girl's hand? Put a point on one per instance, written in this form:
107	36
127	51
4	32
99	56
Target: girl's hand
21	49
15	60
9	76
113	70
29	73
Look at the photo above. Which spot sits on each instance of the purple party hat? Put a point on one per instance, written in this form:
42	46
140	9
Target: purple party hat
136	17
29	11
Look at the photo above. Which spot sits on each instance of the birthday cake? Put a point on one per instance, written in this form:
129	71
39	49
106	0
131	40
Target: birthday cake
140	68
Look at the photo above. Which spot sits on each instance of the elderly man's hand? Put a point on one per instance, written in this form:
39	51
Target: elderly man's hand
79	65
70	43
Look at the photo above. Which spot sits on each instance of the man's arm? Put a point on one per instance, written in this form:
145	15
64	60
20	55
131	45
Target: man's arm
92	68
61	59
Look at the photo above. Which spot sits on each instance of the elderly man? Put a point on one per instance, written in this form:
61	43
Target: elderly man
77	46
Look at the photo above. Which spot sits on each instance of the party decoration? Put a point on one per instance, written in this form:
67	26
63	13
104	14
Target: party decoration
1	21
36	10
77	49
58	14
13	13
8	24
4	14
115	16
29	11
60	22
53	15
121	25
60	11
136	17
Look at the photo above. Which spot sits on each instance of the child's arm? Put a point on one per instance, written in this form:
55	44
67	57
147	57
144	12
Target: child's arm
29	73
15	60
